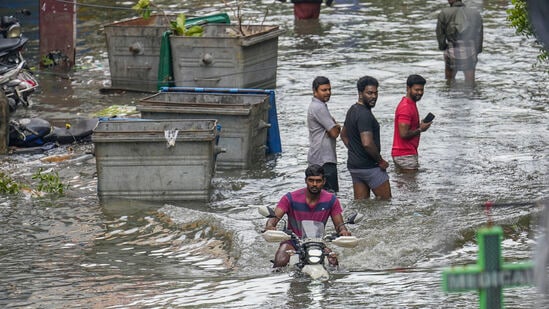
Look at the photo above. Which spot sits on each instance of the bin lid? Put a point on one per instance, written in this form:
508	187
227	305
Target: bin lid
130	130
202	102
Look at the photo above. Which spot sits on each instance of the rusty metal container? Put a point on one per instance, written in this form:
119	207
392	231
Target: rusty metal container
221	58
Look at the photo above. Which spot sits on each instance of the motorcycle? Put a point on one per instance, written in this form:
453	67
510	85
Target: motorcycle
37	134
311	249
16	79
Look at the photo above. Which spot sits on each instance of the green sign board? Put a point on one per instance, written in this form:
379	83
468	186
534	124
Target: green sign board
490	275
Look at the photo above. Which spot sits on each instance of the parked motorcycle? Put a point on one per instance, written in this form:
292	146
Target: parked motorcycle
310	254
41	133
16	79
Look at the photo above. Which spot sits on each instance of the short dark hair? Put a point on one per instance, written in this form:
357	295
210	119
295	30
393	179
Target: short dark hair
366	81
320	80
415	79
314	170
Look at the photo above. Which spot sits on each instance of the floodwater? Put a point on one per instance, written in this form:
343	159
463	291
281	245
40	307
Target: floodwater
485	144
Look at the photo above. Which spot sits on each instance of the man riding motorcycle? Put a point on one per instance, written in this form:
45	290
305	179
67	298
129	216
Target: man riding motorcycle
307	204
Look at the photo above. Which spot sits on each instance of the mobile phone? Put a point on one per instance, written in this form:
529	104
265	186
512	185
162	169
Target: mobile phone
429	118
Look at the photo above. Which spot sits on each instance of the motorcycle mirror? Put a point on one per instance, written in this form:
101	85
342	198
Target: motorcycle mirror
345	241
266	211
354	218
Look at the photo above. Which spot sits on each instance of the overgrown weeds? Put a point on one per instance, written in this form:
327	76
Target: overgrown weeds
44	183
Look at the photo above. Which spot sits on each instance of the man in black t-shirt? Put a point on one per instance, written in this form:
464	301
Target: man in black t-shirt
360	134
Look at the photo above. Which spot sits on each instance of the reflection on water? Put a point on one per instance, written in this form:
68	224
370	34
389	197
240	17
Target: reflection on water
485	144
306	27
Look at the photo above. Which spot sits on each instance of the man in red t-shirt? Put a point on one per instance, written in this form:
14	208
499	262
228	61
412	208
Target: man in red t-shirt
311	203
408	127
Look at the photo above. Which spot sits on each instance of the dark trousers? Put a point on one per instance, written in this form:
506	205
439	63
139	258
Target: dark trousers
332	182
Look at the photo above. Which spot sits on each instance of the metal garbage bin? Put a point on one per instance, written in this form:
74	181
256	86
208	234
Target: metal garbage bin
243	119
134	48
221	58
135	159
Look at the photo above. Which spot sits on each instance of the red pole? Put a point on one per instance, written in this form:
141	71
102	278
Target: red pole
57	33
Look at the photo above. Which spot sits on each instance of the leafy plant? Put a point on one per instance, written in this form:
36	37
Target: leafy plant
49	182
144	8
8	185
179	28
47	61
518	16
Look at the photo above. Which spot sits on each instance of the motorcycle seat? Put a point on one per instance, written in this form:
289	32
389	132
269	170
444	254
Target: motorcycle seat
79	130
10	44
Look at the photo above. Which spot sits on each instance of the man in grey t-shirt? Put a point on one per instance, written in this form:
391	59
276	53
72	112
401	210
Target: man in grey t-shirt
323	132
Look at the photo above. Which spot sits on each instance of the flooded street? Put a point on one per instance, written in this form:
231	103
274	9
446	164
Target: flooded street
489	144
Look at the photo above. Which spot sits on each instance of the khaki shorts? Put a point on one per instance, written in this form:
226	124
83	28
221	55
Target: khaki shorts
407	162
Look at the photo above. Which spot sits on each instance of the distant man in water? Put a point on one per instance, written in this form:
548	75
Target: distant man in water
323	132
307	9
311	203
361	136
408	127
460	34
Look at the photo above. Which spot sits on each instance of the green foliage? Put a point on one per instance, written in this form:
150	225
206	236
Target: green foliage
8	185
144	8
47	61
179	24
179	28
518	16
49	182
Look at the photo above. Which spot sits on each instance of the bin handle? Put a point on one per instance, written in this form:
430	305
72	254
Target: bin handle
262	125
207	59
136	48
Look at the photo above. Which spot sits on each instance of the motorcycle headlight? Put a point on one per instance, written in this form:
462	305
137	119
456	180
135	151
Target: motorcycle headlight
14	31
314	255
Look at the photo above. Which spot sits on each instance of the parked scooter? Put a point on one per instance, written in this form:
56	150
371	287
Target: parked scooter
16	79
40	133
309	255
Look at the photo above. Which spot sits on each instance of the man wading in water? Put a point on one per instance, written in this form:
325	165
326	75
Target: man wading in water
361	136
408	126
308	9
323	132
460	34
